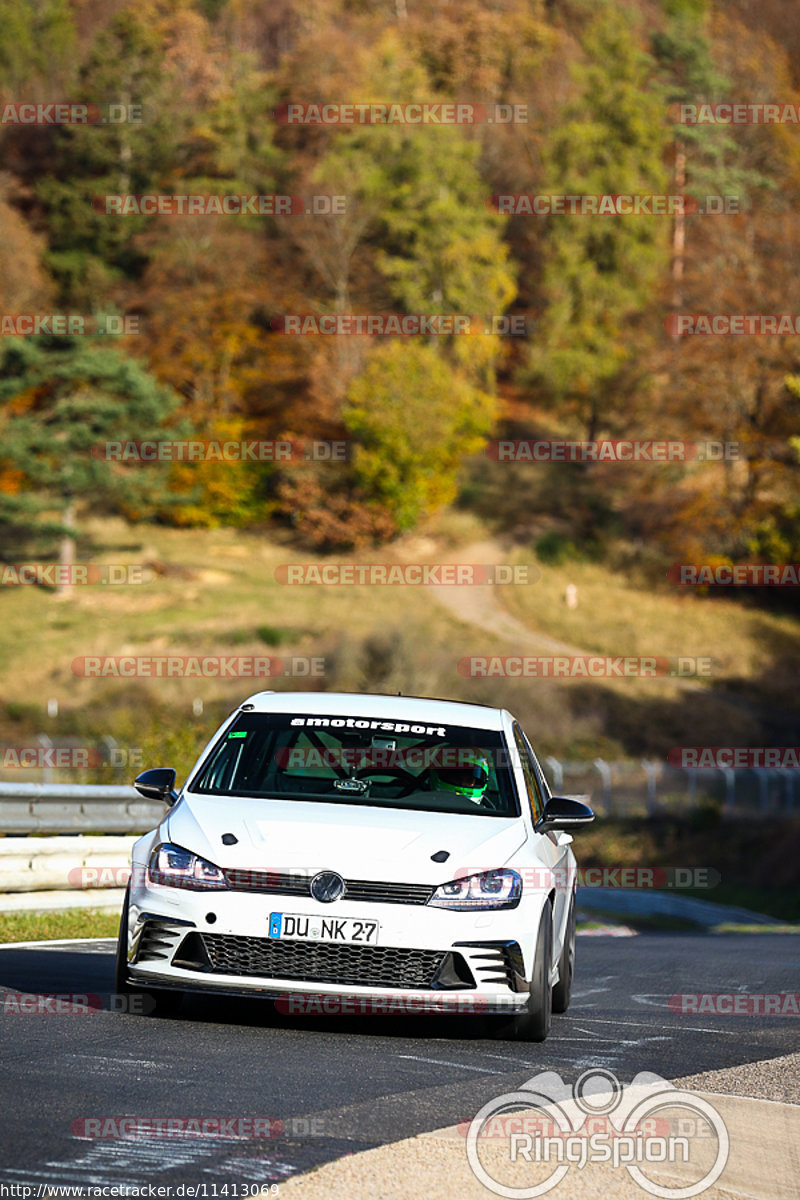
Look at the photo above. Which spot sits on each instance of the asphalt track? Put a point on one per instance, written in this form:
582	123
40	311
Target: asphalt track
341	1084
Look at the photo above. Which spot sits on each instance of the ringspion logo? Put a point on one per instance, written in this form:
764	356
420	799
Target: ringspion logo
551	1125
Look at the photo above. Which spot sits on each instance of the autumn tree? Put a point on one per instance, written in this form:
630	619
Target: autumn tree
61	401
600	271
414	418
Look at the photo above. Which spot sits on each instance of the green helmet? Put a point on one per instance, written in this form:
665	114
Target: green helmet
468	776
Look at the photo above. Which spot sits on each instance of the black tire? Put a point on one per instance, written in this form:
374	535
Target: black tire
144	1001
562	991
533	1024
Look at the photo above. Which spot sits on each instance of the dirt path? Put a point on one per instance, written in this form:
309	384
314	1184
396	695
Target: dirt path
480	606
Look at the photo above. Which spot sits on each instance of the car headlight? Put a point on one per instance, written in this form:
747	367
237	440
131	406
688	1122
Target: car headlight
490	889
175	867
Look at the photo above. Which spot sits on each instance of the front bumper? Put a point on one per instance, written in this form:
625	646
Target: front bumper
426	959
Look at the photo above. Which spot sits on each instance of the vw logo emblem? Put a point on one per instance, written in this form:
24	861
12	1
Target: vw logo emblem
327	887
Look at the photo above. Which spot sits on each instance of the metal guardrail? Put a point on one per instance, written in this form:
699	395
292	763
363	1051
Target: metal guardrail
612	788
650	787
62	808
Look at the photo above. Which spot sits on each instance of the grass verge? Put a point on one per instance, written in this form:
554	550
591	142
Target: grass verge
42	927
752	864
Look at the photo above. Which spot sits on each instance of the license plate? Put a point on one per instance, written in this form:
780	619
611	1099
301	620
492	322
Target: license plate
298	928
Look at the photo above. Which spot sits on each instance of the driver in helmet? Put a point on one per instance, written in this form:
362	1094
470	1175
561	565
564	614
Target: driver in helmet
462	770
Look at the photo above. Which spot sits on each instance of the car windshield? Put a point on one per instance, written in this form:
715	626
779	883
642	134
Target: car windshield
356	760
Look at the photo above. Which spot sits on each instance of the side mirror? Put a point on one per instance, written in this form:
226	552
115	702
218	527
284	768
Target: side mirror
564	814
157	784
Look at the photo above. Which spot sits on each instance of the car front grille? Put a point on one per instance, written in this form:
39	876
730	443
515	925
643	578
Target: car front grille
316	962
282	883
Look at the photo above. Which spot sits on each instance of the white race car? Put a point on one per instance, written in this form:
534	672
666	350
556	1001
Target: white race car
358	854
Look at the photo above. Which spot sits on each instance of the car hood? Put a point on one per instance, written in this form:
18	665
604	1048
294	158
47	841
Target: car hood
392	845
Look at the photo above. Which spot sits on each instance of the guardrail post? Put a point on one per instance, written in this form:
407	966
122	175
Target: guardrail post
605	775
558	773
45	742
763	788
110	744
652	776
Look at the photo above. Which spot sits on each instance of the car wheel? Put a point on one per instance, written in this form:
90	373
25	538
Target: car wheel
148	1002
566	964
533	1024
